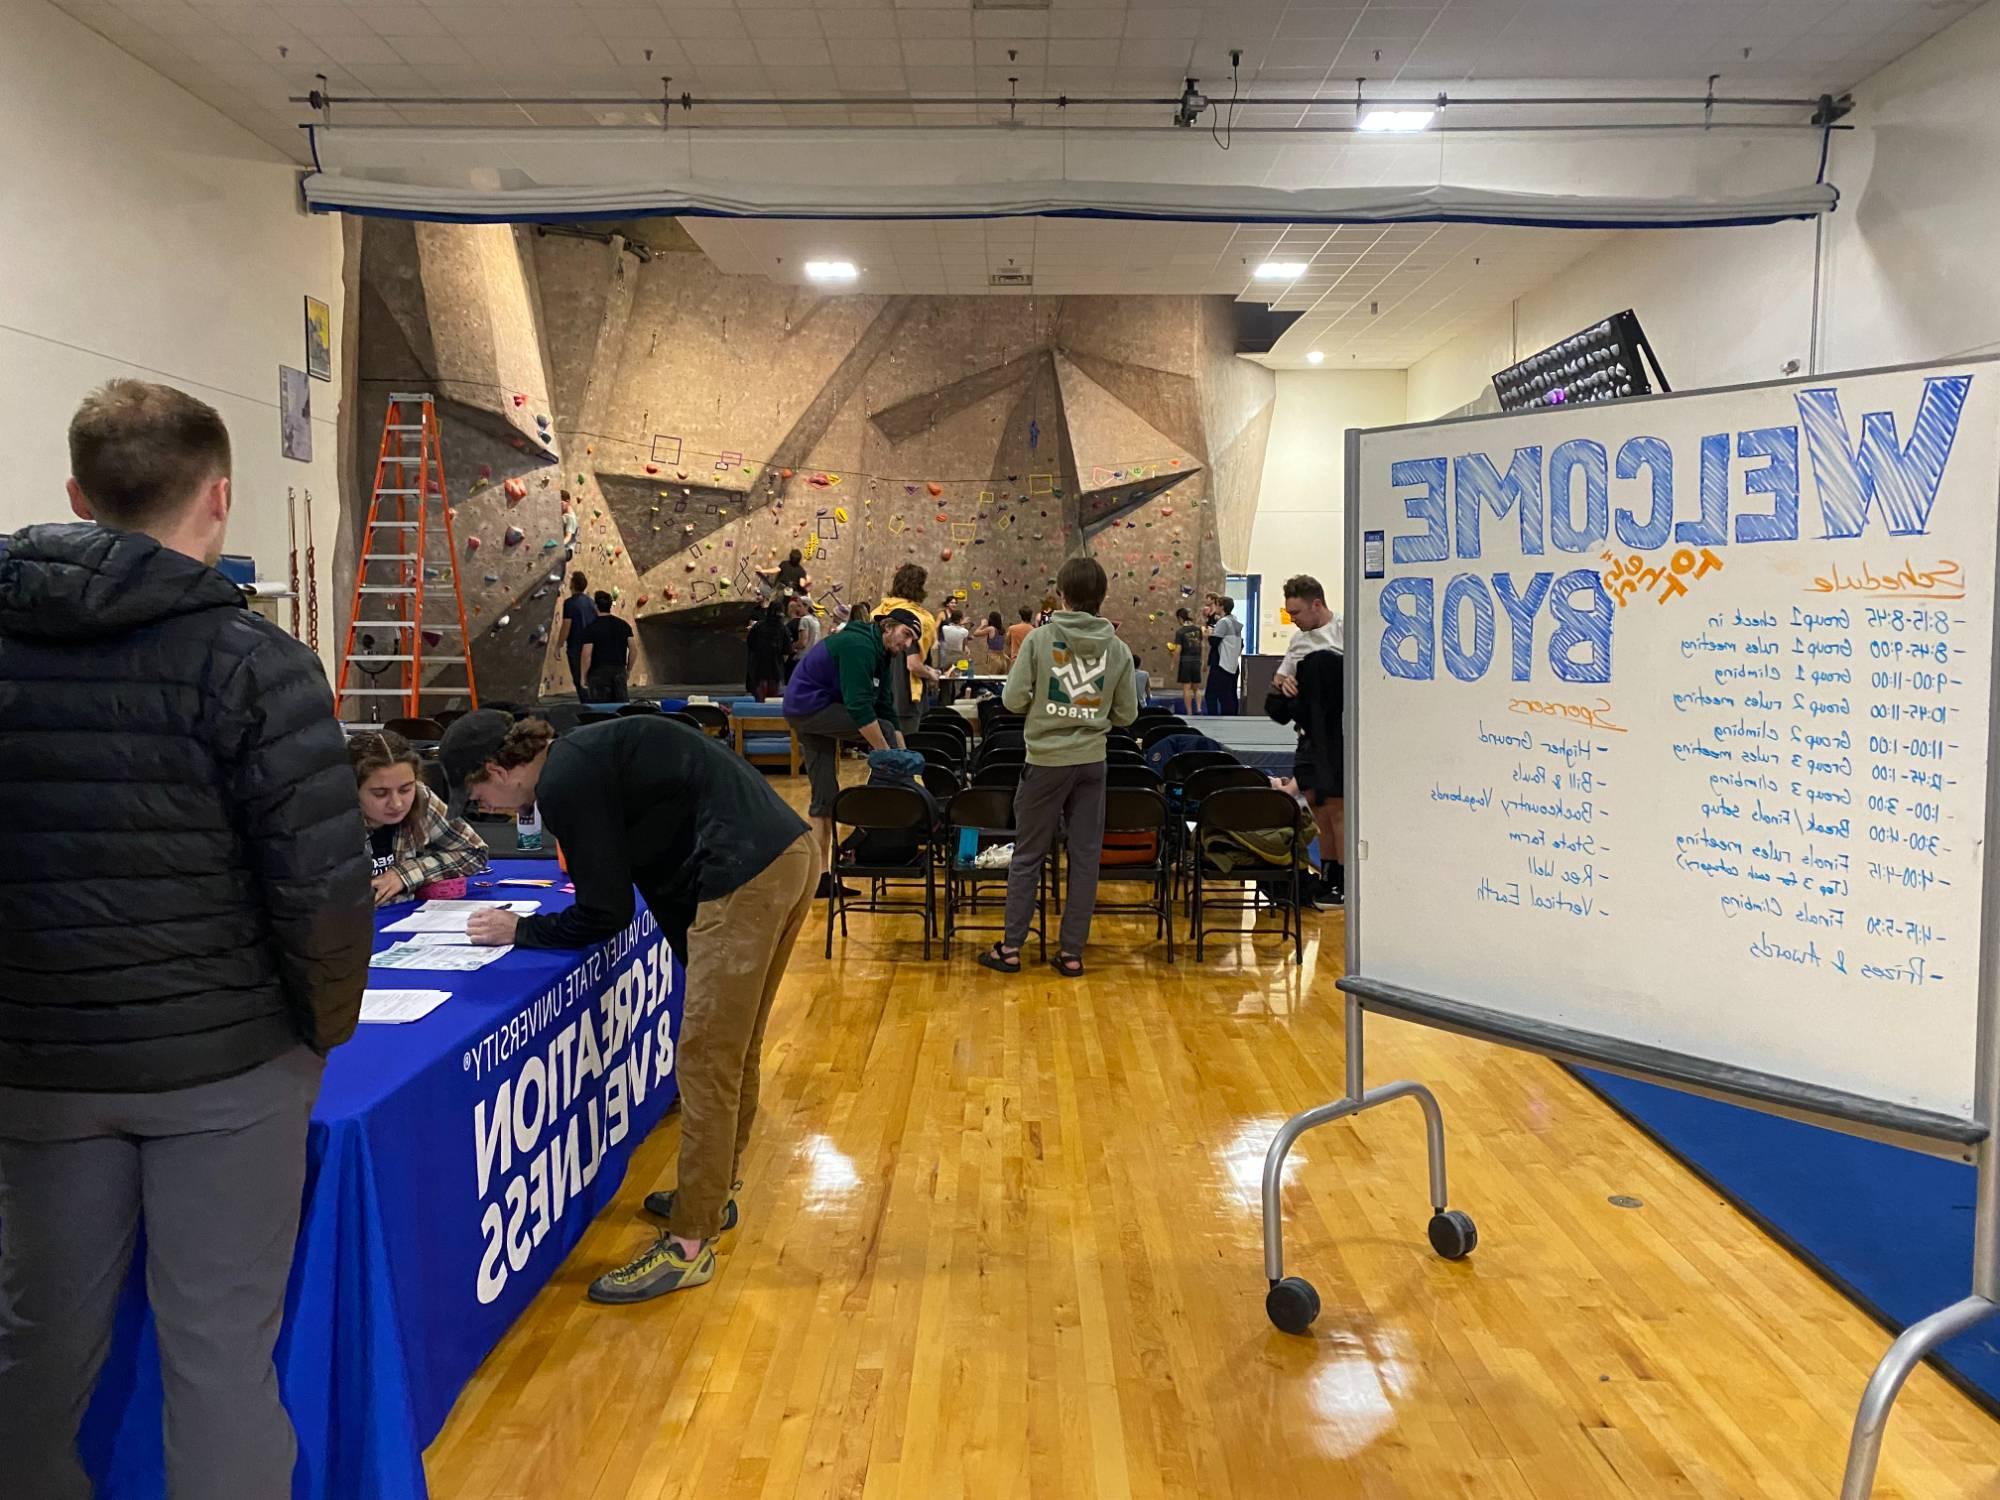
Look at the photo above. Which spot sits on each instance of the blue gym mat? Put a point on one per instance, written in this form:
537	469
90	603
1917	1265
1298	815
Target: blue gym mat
1892	1229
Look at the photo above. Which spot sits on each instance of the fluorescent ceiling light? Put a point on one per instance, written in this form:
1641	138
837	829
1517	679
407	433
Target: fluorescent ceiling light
1397	119
1280	270
830	270
1314	357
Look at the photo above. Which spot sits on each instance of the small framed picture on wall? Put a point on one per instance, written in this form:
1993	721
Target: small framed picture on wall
319	339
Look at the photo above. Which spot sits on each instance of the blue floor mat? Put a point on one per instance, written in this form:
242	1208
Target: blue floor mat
1891	1228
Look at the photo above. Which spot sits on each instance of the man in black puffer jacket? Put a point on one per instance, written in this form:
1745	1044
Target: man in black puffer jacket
185	923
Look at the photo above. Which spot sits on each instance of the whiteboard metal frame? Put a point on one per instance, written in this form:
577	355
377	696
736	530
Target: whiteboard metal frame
1916	1130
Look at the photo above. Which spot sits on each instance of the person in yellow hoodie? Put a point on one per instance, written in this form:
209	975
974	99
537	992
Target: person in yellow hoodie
1074	680
906	592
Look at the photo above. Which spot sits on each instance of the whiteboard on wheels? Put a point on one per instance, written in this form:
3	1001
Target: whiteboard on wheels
1669	721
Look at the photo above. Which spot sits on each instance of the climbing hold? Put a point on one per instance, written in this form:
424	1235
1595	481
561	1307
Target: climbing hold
689	528
515	536
550	545
652	468
640	602
519	399
432	637
944	554
784	473
472	544
935	489
690	565
492	577
502	622
840	514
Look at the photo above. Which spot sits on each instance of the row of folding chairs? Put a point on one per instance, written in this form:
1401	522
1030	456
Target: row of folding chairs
1172	854
943	859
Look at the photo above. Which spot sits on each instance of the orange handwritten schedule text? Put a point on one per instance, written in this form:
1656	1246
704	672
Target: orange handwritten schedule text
1590	715
1943	579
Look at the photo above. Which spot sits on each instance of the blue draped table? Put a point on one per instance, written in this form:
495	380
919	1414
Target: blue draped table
452	1163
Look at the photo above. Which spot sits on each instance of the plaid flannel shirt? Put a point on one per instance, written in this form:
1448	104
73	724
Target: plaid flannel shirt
433	845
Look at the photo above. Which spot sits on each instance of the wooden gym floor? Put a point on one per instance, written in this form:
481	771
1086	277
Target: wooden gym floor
1000	1238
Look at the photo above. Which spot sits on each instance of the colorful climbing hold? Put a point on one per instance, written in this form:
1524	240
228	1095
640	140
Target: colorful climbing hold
472	544
515	536
935	489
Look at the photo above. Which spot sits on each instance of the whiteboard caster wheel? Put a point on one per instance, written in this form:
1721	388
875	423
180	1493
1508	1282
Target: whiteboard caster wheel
1453	1234
1292	1304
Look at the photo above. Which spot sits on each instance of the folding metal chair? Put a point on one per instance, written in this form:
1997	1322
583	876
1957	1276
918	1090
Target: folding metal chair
1249	810
882	810
986	813
1134	811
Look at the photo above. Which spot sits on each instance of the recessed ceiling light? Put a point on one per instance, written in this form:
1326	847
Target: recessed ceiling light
830	270
1280	270
1397	119
1314	357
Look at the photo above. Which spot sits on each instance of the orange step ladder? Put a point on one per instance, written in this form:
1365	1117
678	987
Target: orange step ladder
408	515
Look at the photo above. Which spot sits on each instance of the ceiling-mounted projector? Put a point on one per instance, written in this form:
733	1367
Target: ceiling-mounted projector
1193	102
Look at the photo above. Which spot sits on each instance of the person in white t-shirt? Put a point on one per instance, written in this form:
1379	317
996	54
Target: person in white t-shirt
952	636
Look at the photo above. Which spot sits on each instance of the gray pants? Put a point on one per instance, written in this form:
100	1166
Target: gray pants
820	734
216	1171
1070	797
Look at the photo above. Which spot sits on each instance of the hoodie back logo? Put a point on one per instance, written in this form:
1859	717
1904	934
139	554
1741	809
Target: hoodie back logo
1076	679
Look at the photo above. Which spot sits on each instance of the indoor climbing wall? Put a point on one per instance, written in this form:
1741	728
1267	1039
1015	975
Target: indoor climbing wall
453	310
704	426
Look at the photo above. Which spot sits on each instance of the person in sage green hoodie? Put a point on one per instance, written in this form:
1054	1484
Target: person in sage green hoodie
1073	679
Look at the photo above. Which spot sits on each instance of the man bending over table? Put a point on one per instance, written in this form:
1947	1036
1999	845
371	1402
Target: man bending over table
727	869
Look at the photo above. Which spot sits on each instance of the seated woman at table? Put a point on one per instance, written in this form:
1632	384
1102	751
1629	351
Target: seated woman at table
415	846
